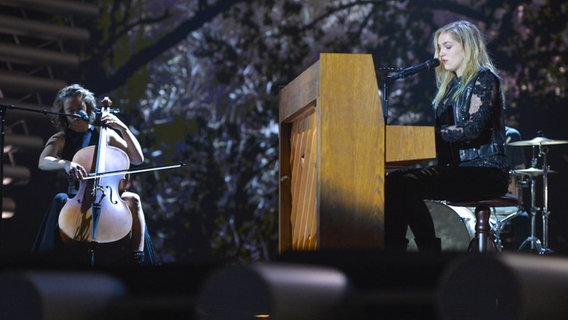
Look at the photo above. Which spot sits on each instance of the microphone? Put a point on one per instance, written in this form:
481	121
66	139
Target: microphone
430	64
82	115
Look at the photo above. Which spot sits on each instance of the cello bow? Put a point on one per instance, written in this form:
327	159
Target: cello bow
140	170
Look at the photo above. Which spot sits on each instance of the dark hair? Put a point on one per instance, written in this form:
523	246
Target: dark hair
68	92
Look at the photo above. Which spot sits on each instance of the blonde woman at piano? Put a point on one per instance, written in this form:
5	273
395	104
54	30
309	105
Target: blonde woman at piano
470	139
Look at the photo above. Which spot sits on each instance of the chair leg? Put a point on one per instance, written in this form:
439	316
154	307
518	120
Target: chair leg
482	229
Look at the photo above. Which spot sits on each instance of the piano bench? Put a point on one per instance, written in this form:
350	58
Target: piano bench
480	243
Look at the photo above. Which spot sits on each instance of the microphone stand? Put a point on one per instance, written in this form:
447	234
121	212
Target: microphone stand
385	105
386	99
396	73
3	109
388	80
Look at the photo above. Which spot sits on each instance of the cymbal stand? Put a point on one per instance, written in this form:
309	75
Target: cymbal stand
499	224
543	151
535	244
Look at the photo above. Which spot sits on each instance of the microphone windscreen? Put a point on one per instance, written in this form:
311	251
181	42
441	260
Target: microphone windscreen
84	116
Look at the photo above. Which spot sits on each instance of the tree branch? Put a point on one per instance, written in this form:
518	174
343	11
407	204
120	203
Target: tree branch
101	83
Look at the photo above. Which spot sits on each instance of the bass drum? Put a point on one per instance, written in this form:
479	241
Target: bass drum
455	226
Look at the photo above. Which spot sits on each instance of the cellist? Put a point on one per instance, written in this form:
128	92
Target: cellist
74	134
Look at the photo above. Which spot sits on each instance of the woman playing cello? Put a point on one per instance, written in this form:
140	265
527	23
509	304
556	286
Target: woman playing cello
76	133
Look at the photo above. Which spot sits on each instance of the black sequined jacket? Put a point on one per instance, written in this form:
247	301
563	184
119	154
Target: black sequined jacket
470	128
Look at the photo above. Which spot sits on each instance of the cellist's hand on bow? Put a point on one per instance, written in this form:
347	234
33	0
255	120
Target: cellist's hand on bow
75	170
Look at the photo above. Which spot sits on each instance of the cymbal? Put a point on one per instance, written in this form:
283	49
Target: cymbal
538	141
532	172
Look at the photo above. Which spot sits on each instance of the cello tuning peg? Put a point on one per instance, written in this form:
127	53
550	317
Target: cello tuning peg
111	110
106	102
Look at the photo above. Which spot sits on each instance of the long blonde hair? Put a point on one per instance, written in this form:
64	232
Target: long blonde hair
475	56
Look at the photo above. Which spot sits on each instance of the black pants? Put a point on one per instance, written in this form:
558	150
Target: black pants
406	190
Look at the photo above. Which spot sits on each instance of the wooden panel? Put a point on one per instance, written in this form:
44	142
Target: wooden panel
299	94
409	144
297	100
303	216
284	188
351	153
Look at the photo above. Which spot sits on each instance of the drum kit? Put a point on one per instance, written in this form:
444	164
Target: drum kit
539	146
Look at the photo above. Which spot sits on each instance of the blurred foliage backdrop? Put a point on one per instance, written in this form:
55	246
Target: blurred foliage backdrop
198	81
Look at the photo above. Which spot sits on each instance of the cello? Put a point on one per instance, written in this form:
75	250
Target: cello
96	217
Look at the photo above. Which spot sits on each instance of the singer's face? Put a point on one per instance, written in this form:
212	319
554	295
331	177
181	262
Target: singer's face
451	54
73	106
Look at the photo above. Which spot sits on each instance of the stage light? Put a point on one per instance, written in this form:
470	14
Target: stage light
58	295
16	175
277	291
14	142
9	208
505	286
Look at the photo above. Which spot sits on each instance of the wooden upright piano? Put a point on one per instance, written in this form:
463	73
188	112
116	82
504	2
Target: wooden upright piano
333	150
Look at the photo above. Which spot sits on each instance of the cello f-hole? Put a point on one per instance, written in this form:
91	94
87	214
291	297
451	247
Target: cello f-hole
111	198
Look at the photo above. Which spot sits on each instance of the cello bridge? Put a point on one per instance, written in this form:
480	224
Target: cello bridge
98	188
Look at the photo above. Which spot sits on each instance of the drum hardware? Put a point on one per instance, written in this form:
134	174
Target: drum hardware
531	172
498	224
545	212
533	240
455	226
539	150
501	217
538	141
